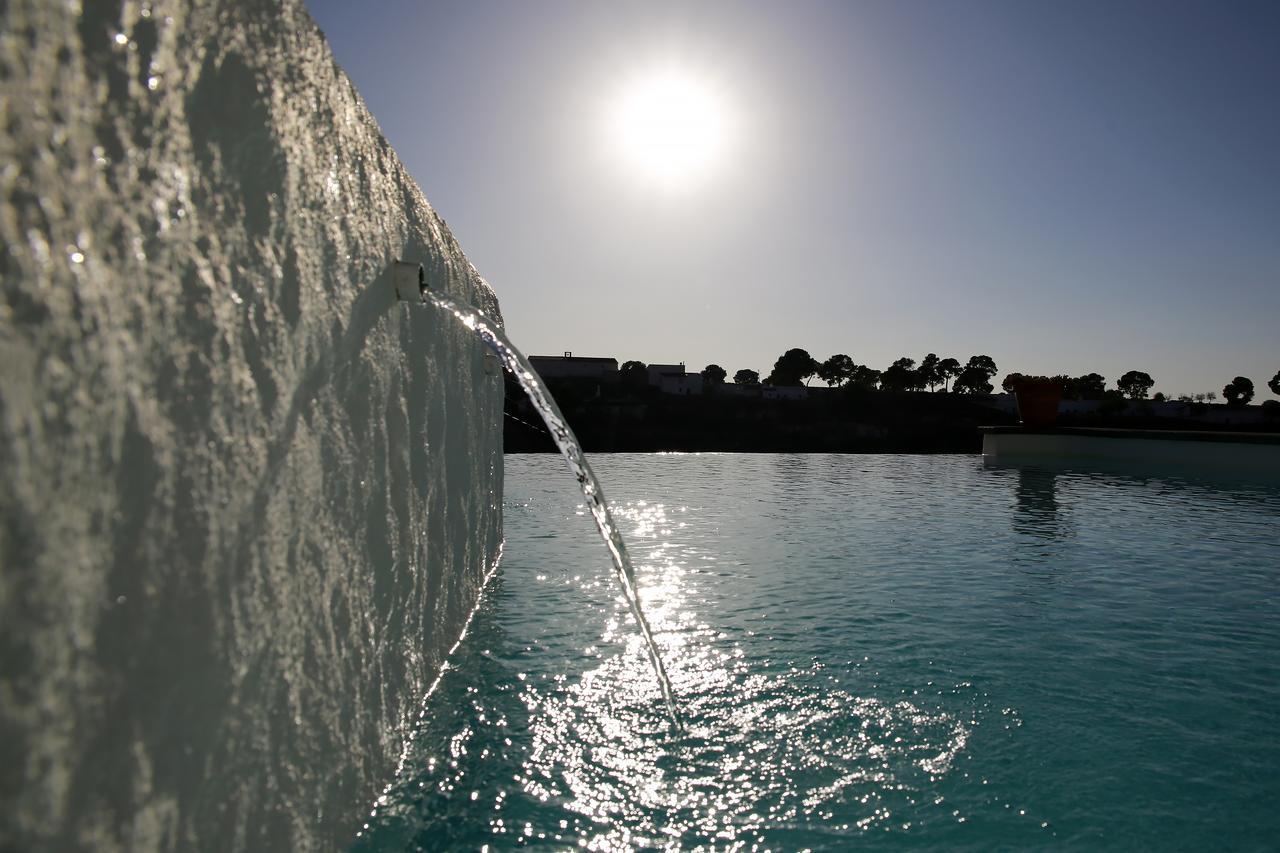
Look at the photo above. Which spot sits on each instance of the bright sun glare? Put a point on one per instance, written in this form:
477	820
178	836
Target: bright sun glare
670	127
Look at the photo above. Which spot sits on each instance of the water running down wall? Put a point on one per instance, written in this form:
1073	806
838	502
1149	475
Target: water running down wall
248	500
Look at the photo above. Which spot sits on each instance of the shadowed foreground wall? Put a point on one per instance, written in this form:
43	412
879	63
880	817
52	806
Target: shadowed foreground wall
247	498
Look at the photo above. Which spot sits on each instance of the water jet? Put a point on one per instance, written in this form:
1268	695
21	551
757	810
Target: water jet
407	278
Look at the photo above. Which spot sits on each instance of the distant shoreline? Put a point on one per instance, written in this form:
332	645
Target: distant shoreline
610	419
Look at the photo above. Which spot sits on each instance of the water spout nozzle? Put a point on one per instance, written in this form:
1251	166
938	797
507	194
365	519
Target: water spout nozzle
409	279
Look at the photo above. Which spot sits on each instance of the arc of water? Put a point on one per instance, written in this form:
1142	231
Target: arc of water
496	340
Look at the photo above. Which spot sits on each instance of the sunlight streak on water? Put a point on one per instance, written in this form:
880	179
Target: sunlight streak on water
759	749
763	746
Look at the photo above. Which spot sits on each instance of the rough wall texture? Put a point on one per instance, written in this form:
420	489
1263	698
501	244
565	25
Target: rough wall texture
247	498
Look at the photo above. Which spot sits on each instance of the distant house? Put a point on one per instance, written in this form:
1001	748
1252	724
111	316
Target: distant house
681	383
570	366
672	379
1206	413
657	371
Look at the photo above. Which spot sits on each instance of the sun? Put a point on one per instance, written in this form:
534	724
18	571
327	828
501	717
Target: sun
670	127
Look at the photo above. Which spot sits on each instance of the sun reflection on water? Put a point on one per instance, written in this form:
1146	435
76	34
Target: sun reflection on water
591	759
761	749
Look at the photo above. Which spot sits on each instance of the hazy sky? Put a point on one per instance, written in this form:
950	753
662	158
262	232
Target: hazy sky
1067	187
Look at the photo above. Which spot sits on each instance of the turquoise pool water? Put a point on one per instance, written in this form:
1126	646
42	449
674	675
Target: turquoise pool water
871	652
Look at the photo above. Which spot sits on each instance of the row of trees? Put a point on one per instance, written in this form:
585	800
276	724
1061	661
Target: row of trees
797	367
1093	386
1135	384
1239	391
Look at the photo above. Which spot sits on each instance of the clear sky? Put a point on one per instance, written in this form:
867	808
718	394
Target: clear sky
1067	187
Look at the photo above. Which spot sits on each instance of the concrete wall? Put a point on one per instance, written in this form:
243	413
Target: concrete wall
248	499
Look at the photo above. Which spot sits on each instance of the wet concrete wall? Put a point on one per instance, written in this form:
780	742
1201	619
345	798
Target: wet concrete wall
248	499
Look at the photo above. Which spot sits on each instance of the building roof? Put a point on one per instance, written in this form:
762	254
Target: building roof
577	358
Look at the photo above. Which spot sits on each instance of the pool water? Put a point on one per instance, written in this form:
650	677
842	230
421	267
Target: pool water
880	652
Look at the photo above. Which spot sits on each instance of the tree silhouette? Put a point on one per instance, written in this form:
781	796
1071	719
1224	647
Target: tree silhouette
1091	386
1238	392
713	374
1135	384
982	362
1274	383
634	373
863	377
793	367
975	378
746	377
930	375
901	376
1010	383
948	369
835	370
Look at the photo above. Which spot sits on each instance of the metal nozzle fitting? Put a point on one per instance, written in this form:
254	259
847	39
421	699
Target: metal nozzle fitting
409	279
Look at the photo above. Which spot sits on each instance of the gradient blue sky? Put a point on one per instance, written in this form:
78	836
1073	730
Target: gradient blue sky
1067	187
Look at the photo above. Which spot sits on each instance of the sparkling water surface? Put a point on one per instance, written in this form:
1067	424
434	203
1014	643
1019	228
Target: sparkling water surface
869	652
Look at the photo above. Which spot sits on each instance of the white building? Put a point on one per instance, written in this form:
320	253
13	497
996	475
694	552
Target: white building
673	379
681	384
657	371
570	366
